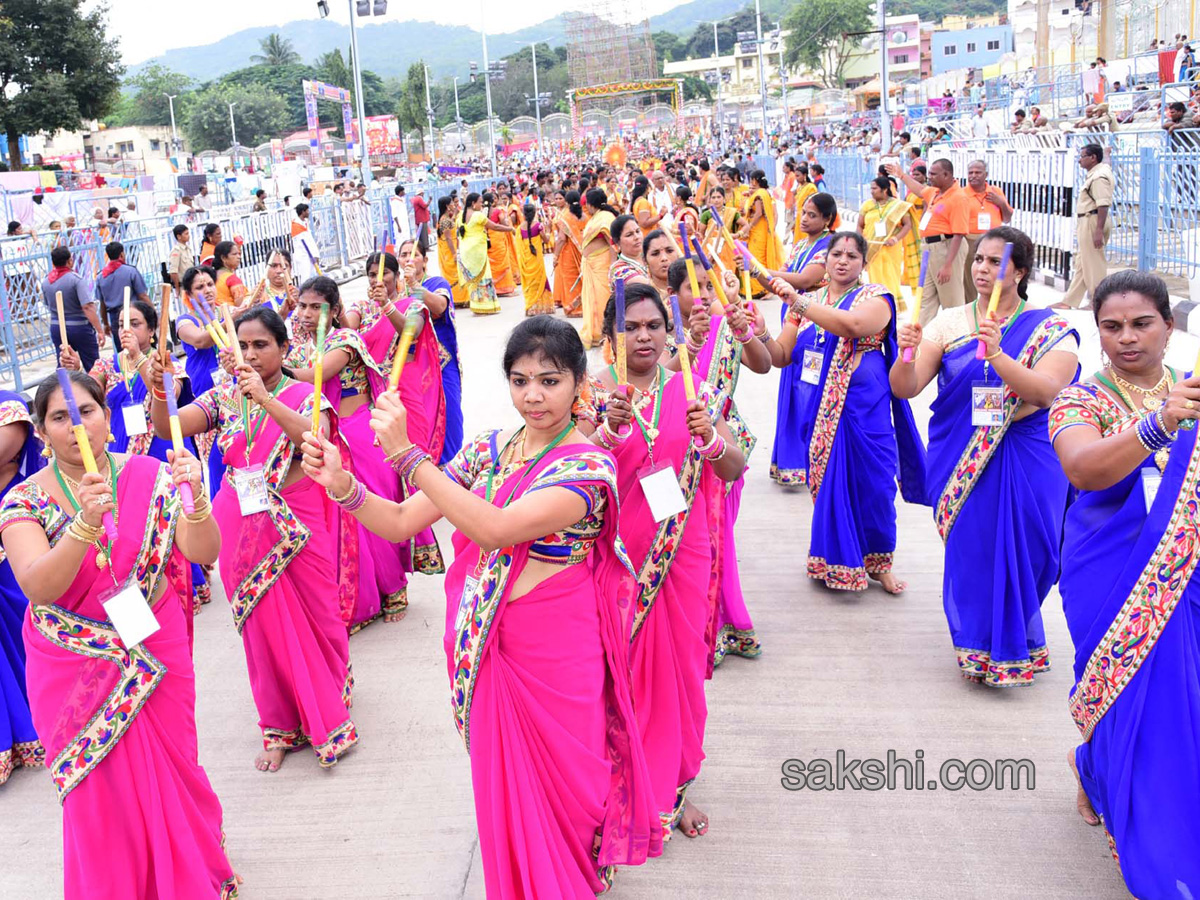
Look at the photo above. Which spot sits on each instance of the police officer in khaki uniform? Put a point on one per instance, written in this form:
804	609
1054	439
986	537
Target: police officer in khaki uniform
1093	226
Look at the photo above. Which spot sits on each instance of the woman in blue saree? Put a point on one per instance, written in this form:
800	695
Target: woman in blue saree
860	439
1129	593
202	363
20	452
805	272
997	490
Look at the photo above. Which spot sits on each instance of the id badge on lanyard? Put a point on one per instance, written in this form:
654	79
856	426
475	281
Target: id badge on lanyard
134	415
130	614
251	486
810	367
469	587
926	219
987	404
660	486
881	229
984	221
1151	480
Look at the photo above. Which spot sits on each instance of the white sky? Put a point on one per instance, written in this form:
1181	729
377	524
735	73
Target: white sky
149	27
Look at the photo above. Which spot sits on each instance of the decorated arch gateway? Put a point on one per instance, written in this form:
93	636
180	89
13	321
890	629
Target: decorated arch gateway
318	90
618	88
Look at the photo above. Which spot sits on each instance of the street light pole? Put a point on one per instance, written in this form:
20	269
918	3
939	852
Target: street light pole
885	120
537	98
787	116
365	162
174	133
487	89
429	115
233	133
762	82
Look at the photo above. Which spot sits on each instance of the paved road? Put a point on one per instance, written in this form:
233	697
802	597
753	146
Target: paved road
862	673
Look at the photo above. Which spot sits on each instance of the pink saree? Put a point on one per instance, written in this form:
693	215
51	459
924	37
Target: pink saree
540	690
371	563
140	818
424	399
720	363
676	563
282	583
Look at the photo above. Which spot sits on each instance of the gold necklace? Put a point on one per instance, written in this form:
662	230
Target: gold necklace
1149	401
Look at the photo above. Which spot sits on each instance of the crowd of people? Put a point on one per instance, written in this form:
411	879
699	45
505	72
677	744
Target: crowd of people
301	448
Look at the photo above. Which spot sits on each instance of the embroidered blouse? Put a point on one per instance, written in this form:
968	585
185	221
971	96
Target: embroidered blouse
477	459
1088	404
957	323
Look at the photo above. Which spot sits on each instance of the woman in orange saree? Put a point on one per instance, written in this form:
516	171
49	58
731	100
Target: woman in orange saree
568	257
497	248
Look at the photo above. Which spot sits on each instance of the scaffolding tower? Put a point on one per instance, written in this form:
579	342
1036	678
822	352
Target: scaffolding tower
609	43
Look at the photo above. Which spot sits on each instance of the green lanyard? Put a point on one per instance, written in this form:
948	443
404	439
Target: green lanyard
252	430
1007	325
70	495
562	436
658	392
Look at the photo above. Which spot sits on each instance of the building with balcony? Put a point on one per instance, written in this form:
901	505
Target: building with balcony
970	48
131	145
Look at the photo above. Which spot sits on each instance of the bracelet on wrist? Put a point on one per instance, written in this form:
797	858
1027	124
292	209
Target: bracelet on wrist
407	467
346	496
994	355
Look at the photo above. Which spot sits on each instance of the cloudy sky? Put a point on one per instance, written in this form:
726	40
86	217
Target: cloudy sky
148	27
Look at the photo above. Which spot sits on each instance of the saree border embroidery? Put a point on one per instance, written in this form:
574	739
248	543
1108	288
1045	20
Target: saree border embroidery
652	574
293	534
986	438
1136	628
833	397
140	674
22	754
978	666
471	639
160	533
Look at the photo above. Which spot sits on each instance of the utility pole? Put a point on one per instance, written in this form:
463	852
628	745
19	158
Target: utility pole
174	133
885	120
537	98
429	115
233	132
762	81
487	89
720	115
787	116
365	162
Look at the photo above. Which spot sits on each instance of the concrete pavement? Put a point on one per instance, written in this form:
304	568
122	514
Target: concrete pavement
861	673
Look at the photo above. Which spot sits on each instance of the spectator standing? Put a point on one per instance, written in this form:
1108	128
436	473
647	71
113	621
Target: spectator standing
260	201
1093	226
400	218
110	287
203	201
85	334
420	210
989	209
181	258
943	226
979	125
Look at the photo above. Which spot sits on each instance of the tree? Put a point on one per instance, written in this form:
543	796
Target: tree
150	87
276	51
667	48
259	116
285	82
56	68
818	40
410	104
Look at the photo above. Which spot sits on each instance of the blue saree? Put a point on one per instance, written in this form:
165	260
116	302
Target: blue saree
201	365
796	403
1132	604
447	336
861	440
999	495
19	744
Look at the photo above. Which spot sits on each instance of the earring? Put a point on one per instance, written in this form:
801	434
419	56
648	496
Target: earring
111	437
47	452
1105	362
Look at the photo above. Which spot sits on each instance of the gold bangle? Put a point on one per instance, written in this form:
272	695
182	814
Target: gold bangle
392	457
200	515
81	531
349	491
994	355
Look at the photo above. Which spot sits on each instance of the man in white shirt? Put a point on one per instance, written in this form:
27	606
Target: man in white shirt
660	195
202	200
979	124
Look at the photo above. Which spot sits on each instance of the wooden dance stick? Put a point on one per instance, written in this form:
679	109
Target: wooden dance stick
85	447
319	369
185	489
915	316
414	322
62	321
1005	258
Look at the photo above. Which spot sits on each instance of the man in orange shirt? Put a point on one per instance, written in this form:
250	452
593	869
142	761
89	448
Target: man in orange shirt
989	209
944	229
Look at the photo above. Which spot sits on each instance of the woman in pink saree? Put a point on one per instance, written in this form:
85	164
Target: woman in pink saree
278	527
353	377
538	606
672	543
140	818
724	342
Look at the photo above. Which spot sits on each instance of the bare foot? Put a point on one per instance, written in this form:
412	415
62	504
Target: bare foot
890	583
394	617
693	822
1082	803
269	760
